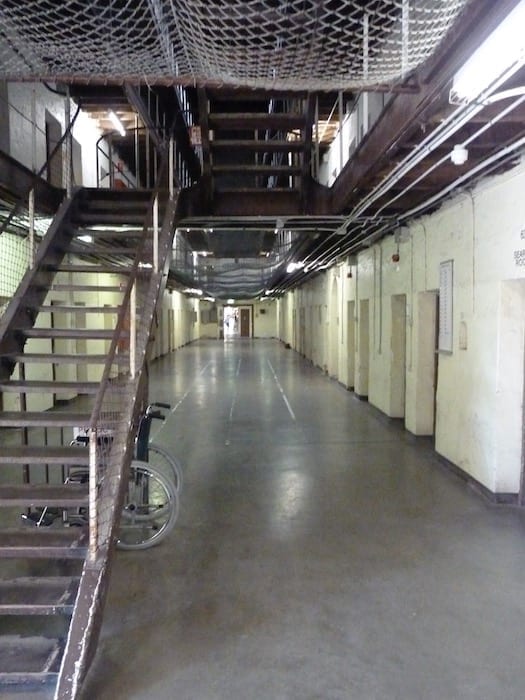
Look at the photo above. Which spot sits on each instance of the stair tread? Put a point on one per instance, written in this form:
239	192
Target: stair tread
269	191
75	333
260	145
78	309
45	455
253	120
52	495
54	419
84	288
43	543
38	595
47	582
28	657
30	680
76	359
257	169
98	269
83	249
21	419
52	387
104	233
96	216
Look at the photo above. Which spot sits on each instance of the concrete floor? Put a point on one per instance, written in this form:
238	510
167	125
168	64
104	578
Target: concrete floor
321	552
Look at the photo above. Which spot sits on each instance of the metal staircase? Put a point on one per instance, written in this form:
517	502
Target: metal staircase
73	348
256	149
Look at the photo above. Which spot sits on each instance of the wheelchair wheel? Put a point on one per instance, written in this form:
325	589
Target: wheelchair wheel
165	462
151	508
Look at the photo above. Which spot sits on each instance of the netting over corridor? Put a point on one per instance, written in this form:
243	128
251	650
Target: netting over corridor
274	44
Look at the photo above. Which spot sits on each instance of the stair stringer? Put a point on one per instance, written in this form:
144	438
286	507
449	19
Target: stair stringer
89	606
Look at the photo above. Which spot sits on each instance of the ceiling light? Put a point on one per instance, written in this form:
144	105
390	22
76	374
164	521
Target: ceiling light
117	123
459	155
85	238
230	301
502	51
191	290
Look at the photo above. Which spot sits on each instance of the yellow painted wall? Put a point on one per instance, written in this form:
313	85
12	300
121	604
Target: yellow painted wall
479	394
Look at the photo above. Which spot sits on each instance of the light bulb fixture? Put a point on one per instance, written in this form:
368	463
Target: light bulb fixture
117	123
294	266
230	301
459	155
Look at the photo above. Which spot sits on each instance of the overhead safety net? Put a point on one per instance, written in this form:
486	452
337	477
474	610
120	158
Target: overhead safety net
273	44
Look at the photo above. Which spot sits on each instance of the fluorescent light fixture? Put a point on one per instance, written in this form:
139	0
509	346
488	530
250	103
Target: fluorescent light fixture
212	299
502	51
230	301
117	123
191	290
145	266
85	238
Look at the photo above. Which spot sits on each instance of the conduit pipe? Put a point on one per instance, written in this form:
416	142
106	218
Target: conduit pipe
325	259
445	158
520	91
444	131
460	180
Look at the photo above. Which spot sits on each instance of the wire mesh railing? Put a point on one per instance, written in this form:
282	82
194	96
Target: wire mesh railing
119	399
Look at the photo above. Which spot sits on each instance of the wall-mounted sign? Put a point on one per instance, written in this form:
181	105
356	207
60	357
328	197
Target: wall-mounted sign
446	278
195	136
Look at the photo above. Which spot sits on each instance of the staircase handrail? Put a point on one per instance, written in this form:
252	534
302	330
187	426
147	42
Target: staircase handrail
123	310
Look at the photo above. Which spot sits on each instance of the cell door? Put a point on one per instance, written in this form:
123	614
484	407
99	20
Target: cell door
53	136
245	323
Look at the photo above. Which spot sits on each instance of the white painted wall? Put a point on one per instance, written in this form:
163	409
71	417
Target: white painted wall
184	328
265	319
479	395
28	103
